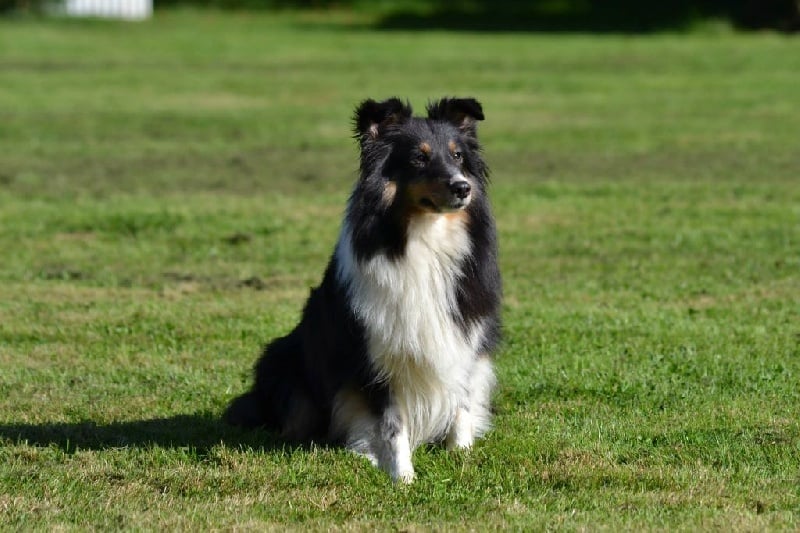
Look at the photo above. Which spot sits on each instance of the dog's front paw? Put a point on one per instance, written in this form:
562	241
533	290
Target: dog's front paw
405	477
461	434
459	442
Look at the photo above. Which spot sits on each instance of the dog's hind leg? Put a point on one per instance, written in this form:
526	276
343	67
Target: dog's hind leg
301	419
278	391
353	423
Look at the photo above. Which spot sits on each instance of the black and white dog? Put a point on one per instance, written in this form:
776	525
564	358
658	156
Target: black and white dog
394	347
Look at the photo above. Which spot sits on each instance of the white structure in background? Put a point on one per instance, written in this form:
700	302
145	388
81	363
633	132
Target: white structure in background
117	9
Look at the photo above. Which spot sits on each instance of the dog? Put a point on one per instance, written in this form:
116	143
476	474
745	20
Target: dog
394	347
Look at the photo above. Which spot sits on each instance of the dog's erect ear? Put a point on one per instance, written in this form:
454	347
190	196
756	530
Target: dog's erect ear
463	113
371	116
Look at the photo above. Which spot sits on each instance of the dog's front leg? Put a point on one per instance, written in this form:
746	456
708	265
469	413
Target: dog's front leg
473	416
396	457
462	433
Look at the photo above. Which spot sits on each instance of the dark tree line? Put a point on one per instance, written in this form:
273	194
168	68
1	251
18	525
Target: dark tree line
533	15
600	15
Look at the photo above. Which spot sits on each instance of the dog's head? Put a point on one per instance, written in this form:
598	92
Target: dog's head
429	164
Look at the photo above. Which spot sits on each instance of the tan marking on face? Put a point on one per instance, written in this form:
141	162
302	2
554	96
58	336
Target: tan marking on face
452	146
454	216
389	192
417	191
425	148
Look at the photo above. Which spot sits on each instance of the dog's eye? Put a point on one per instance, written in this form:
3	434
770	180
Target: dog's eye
421	159
458	156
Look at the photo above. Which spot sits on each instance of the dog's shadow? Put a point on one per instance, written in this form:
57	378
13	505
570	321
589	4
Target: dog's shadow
199	432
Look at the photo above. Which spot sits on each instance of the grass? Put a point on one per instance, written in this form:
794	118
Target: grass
169	191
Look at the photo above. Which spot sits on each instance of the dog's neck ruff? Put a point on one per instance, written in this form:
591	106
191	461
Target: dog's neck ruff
408	307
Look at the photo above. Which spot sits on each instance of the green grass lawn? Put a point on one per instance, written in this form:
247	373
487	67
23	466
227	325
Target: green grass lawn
170	190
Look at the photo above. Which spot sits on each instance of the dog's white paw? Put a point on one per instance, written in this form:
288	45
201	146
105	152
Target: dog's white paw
461	434
459	442
405	477
371	458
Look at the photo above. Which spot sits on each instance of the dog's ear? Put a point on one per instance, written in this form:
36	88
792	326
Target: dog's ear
463	113
372	117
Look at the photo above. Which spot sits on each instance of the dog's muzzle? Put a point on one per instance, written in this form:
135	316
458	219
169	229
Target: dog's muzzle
460	191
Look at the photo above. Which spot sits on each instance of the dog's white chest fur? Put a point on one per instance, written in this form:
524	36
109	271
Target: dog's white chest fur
407	305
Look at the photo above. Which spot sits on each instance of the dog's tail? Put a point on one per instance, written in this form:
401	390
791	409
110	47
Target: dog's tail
279	399
244	411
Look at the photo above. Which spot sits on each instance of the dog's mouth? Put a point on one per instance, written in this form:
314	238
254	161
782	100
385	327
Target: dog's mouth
429	204
453	204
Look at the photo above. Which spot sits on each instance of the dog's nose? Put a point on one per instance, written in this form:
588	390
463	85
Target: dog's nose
460	189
